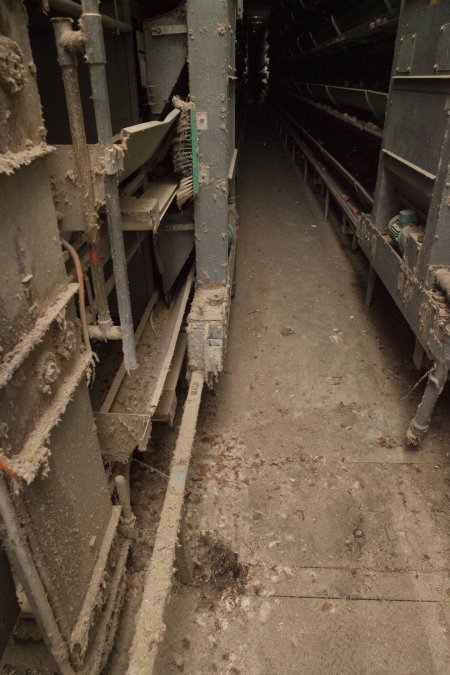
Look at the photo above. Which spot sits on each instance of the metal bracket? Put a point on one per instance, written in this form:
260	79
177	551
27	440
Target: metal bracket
202	121
204	174
175	29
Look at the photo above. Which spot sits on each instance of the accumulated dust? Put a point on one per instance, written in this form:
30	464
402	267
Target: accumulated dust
218	566
148	477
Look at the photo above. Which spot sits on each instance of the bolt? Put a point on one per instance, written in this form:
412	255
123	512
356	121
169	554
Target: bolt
215	299
51	372
48	371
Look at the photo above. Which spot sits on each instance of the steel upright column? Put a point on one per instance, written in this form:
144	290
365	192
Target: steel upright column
209	60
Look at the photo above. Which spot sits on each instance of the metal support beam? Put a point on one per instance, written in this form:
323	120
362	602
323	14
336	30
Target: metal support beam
209	60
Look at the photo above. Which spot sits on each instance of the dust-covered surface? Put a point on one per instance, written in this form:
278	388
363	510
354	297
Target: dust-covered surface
320	544
149	476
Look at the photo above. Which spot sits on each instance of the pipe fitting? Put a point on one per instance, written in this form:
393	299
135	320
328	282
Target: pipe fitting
91	27
105	331
68	41
128	518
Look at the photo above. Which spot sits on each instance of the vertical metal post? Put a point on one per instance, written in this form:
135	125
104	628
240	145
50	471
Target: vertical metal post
436	245
370	285
68	62
232	11
208	51
327	203
91	23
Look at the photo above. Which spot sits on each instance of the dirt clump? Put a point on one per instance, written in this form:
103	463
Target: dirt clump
218	566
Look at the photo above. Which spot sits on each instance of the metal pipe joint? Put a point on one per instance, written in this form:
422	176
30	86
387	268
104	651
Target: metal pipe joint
68	40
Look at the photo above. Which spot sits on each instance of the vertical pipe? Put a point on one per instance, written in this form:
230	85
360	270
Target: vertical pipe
28	575
91	23
123	494
419	425
68	63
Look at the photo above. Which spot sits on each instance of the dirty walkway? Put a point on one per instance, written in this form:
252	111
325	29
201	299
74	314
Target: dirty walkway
321	545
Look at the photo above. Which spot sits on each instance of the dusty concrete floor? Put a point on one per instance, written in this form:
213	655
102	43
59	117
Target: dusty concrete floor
341	536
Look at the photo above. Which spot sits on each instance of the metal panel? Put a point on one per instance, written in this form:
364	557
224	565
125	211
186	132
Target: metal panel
64	537
414	171
47	431
142	141
406	53
165	55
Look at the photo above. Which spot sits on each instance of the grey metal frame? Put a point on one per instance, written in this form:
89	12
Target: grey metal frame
209	61
414	172
211	38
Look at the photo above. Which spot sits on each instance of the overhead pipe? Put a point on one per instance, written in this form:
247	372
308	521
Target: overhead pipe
67	40
74	9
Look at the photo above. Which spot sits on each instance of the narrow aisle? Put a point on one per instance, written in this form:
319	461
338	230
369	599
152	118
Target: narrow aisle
321	545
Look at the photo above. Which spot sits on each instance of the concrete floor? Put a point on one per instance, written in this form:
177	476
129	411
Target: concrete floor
341	536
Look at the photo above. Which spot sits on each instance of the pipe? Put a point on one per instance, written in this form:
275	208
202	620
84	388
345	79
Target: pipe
67	40
123	495
421	422
91	26
25	568
4	467
74	9
82	302
113	333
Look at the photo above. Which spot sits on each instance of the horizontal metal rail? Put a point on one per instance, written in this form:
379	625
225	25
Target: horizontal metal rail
360	189
332	184
344	117
369	100
358	33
